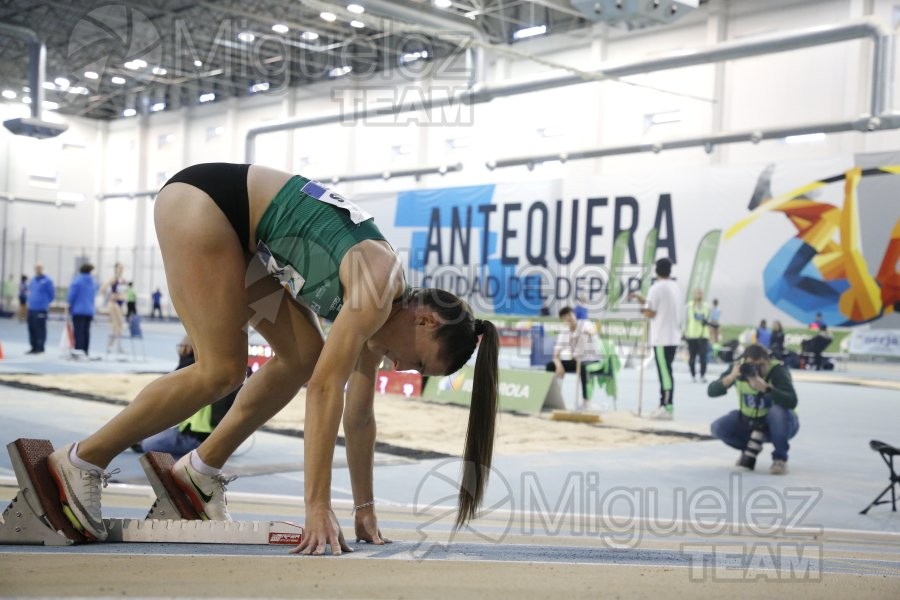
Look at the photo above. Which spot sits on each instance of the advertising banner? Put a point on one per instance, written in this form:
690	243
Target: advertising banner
876	342
520	390
799	238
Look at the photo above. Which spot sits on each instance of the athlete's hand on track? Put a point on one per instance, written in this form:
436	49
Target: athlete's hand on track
322	530
367	528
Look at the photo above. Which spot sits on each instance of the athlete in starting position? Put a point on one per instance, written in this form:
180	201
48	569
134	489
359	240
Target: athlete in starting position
223	229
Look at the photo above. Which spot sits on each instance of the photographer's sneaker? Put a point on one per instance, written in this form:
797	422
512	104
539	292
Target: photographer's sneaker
663	413
779	467
79	493
206	492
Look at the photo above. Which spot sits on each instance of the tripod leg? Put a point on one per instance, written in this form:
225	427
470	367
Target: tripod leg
889	488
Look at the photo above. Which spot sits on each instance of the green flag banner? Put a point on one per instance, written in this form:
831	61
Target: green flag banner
521	391
614	289
704	261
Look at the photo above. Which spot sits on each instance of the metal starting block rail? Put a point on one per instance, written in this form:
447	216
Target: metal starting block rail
35	515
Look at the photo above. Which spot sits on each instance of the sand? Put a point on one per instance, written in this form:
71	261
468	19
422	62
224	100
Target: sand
414	423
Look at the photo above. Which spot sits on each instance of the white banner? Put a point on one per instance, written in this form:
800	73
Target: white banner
877	342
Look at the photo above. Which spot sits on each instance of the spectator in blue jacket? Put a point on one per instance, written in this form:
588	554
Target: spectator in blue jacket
763	335
41	293
82	292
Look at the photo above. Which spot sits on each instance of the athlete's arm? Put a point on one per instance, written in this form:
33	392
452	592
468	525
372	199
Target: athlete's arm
369	273
359	430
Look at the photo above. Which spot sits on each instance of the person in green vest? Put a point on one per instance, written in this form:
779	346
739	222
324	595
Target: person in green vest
767	404
190	433
696	332
131	300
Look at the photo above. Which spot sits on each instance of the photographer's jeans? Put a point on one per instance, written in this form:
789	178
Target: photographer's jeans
734	429
172	441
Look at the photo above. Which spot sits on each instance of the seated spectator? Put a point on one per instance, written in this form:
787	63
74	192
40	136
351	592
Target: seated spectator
190	433
763	335
776	345
813	348
766	401
580	343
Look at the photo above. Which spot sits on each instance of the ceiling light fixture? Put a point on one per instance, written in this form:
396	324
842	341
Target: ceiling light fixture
530	32
340	71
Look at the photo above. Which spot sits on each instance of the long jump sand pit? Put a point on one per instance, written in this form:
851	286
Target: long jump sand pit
412	423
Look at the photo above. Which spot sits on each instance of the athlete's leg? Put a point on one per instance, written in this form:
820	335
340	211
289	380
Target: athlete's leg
296	339
205	269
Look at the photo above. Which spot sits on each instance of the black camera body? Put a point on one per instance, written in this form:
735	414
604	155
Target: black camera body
748	370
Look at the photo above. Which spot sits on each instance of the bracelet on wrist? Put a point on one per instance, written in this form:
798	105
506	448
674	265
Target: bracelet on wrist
359	507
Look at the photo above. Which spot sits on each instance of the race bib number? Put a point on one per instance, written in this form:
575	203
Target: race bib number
287	276
322	193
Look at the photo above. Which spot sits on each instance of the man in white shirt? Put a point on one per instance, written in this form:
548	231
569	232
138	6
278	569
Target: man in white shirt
663	307
578	342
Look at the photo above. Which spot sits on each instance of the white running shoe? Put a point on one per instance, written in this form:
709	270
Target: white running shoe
662	413
206	492
79	493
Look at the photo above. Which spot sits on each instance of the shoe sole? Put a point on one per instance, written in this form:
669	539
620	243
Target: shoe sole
67	510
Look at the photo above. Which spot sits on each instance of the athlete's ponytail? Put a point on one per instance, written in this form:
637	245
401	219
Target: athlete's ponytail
482	417
459	336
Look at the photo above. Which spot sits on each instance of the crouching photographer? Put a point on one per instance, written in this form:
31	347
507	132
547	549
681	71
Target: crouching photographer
766	400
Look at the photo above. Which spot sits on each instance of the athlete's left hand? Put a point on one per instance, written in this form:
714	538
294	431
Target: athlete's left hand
367	528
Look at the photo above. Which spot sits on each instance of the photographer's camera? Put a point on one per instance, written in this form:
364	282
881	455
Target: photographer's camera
748	370
754	445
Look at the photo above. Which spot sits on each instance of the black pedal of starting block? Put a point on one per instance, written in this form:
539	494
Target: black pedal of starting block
161	463
33	455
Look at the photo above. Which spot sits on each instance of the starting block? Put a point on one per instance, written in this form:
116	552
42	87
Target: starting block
35	515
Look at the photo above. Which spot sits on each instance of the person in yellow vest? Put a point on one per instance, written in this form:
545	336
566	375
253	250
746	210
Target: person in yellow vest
767	408
696	332
190	433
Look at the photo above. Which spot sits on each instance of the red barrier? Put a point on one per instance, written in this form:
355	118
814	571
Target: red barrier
408	383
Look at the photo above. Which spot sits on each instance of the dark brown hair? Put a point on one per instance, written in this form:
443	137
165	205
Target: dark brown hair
459	336
756	352
664	267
